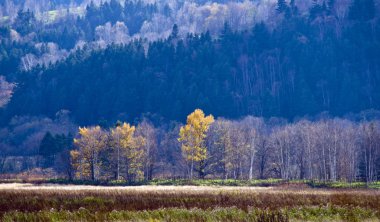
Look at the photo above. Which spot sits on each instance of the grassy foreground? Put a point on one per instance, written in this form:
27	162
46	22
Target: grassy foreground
217	214
185	203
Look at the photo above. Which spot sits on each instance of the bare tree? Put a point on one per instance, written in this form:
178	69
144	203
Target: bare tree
4	154
281	142
148	131
6	91
370	149
252	128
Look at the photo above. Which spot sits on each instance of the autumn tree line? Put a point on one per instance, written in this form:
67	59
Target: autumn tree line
250	148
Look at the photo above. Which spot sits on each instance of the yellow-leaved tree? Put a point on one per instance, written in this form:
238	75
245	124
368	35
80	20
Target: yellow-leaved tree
86	159
127	147
192	136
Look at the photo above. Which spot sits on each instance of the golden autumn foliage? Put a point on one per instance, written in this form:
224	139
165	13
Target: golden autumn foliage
192	137
103	154
129	147
90	143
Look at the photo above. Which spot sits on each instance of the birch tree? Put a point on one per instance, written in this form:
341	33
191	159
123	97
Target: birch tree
146	130
251	126
128	151
90	143
192	136
370	150
121	135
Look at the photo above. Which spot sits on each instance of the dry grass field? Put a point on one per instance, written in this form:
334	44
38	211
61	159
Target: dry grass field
28	202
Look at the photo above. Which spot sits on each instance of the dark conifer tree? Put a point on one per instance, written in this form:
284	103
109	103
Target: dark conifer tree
25	22
47	149
362	10
282	6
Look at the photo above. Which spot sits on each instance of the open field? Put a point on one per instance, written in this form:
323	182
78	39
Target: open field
46	202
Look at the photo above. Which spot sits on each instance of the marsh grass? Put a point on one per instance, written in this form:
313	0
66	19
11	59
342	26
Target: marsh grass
173	182
173	214
343	185
36	198
217	214
189	203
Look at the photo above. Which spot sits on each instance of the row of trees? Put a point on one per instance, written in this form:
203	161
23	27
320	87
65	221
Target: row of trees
327	150
126	153
114	152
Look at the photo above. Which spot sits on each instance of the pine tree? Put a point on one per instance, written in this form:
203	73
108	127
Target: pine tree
25	22
47	148
226	32
293	8
282	6
174	33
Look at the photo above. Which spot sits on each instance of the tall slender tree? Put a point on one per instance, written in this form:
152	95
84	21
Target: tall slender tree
192	136
128	149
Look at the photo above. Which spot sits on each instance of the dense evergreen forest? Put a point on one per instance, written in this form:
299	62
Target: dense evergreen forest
303	66
65	64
